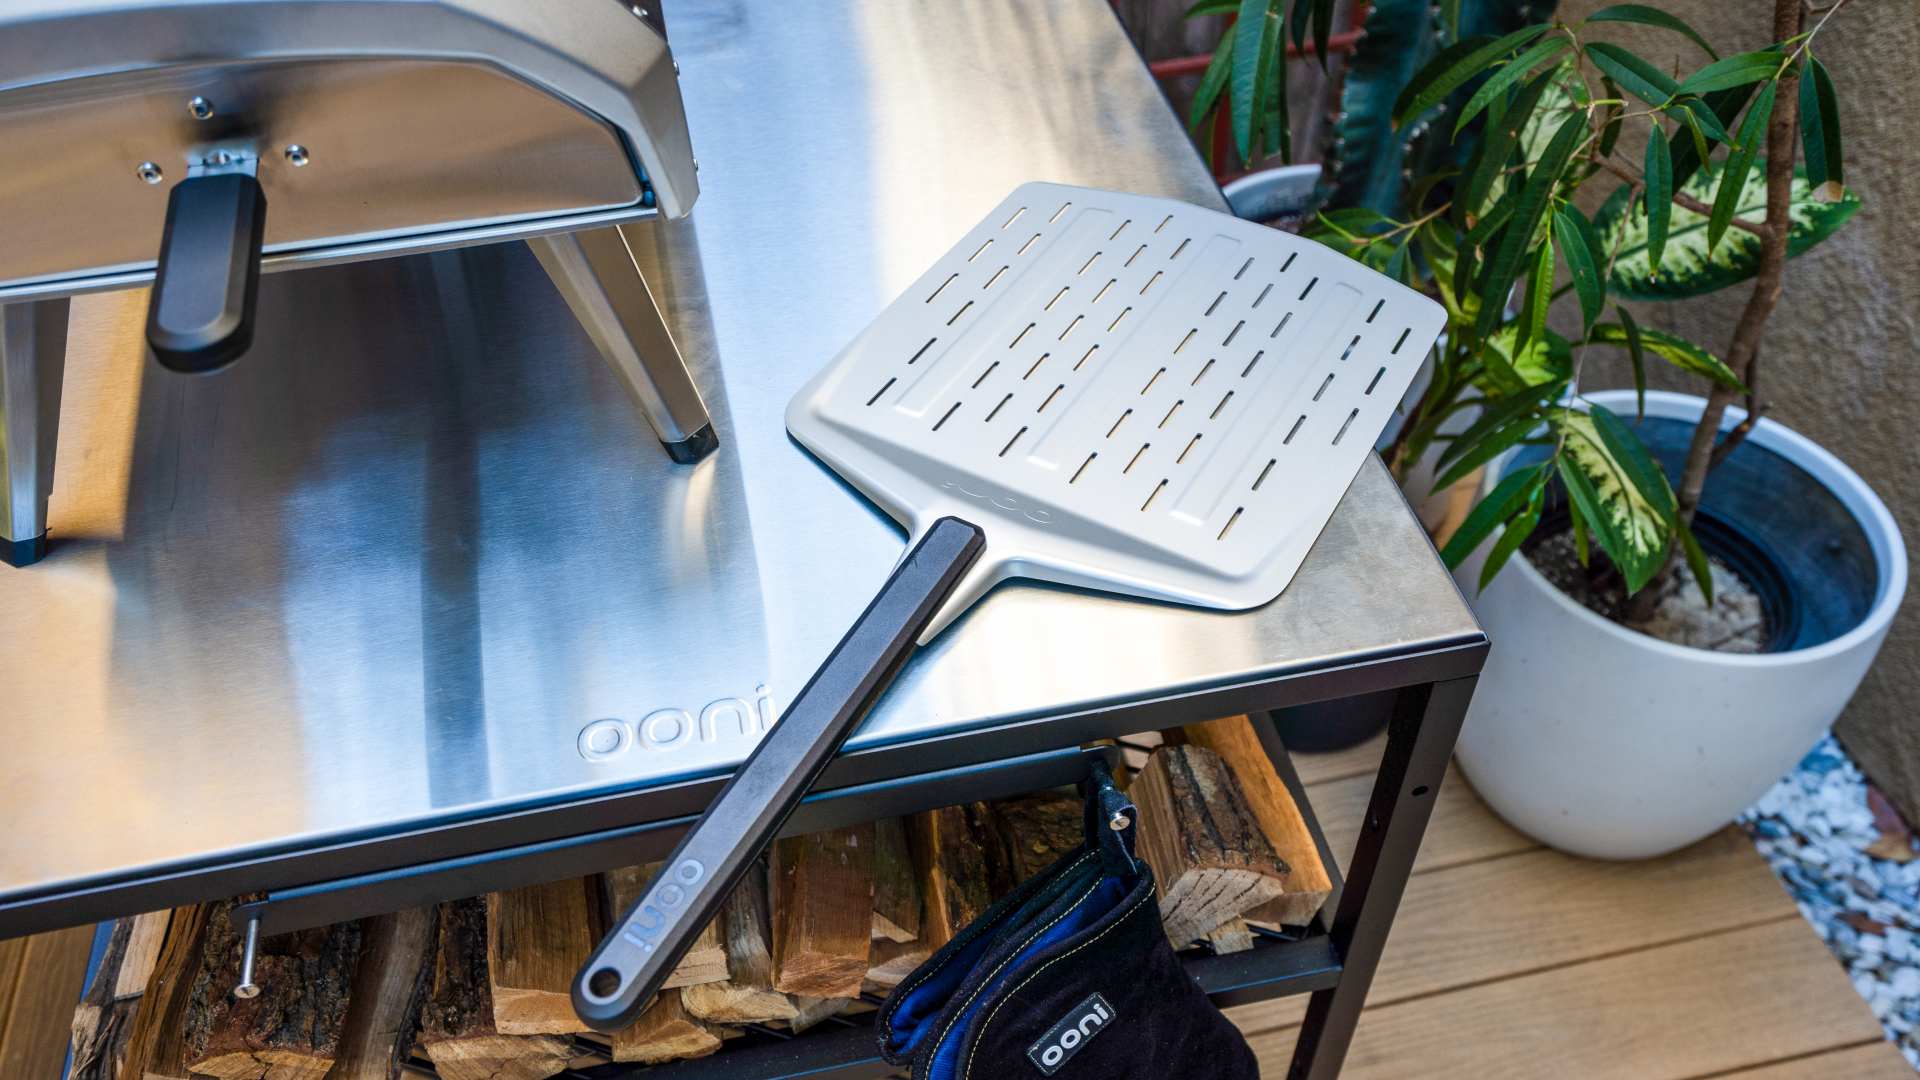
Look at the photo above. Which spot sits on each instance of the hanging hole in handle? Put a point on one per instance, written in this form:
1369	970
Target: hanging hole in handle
1419	791
604	983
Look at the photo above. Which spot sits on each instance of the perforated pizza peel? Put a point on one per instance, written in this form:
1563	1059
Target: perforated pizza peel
1104	390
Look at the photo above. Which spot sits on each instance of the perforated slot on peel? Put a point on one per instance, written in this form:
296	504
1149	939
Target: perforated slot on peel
1184	340
1036	366
1170	412
979	250
1056	297
921	351
1341	434
962	311
1157	274
1228	527
1076	322
1309	288
1188	449
1151	379
984	374
949	281
997	408
1181	248
1117	423
1243	269
1402	341
1233	333
1091	259
1382	302
1135	459
1135	255
1028	244
882	390
1111	282
1154	494
1050	397
1085	356
1010	442
1122	228
1014	218
1263	294
1204	368
988	284
1324	383
1083	467
1376	380
1351	345
1215	414
1262	478
1057	213
1281	325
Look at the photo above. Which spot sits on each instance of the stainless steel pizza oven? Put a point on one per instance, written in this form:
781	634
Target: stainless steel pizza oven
192	144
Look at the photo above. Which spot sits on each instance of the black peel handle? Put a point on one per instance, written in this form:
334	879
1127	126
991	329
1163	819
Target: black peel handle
200	318
627	968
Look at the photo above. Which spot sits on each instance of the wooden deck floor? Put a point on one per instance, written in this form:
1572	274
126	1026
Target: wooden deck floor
1512	960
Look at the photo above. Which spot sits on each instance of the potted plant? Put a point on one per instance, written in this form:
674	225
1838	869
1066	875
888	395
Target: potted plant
1698	590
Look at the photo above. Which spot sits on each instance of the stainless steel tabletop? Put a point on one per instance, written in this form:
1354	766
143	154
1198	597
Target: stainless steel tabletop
417	557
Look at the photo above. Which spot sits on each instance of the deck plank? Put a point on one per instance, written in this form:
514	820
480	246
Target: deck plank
1871	1061
1713	1004
40	982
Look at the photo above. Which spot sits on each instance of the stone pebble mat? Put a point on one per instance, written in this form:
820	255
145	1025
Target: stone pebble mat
1815	828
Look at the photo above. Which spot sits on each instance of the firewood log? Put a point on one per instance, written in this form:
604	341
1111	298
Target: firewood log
747	996
396	962
822	892
156	1049
457	1031
40	977
892	961
896	890
1231	936
1308	885
811	1011
665	1032
705	962
103	1021
1196	830
1034	831
953	872
291	1029
538	937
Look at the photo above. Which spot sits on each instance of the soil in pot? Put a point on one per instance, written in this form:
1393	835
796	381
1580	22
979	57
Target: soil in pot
1736	621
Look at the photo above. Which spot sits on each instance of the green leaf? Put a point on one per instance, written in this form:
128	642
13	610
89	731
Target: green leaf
1498	414
1512	73
1579	522
1700	116
1642	471
1527	215
1496	148
1733	71
1648	16
1211	7
1633	531
1723	106
1686	267
1635	76
1546	359
1246	74
1820	130
1696	560
1677	351
1753	131
1486	449
1583	504
1451	69
1213	80
1636	352
1580	247
1322	29
1533	314
1659	177
1513	492
1270	129
1515	534
1297	21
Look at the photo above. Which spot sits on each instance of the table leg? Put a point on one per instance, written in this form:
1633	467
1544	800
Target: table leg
1420	737
33	356
596	273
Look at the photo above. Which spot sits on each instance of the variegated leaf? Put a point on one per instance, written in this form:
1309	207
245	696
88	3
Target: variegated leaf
1686	266
1632	529
1545	359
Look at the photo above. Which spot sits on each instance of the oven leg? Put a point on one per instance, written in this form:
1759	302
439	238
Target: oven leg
33	355
596	273
1420	737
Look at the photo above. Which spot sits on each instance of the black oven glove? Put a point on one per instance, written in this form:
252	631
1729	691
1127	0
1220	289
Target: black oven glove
1069	976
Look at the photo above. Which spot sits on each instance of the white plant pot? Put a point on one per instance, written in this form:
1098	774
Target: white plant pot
1605	742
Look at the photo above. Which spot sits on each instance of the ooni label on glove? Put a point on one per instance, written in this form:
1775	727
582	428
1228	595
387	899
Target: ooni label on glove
1064	1039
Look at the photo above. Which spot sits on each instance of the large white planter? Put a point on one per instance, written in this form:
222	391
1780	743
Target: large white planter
1605	742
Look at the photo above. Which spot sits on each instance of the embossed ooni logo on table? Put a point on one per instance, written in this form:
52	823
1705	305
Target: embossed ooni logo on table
727	719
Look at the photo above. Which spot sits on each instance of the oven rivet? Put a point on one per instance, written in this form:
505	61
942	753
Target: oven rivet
221	157
149	172
297	155
1119	821
200	107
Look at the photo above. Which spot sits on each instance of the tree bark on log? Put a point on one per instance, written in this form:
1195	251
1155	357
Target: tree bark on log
389	985
822	889
103	1021
291	1029
1034	831
1307	884
1203	842
896	889
156	1049
953	872
747	996
538	937
457	1031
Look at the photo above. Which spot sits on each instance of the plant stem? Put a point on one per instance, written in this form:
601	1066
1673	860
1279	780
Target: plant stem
1744	350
